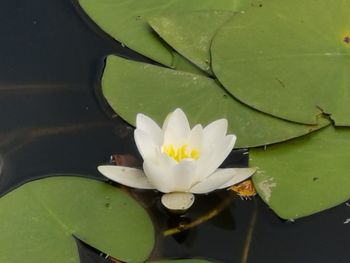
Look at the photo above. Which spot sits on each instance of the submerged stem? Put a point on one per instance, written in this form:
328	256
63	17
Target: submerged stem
249	237
207	216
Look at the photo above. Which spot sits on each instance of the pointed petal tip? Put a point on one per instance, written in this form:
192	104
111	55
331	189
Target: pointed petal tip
197	127
139	117
142	118
220	124
222	121
180	115
176	127
148	126
232	137
103	168
231	141
128	176
179	110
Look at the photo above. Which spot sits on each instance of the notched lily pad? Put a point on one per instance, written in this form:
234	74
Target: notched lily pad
126	21
132	87
306	175
288	58
39	219
190	33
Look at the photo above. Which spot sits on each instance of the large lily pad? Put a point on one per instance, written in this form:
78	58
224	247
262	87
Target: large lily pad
289	59
306	175
39	219
191	33
125	20
131	87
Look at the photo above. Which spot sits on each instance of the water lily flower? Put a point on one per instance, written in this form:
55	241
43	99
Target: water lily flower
180	161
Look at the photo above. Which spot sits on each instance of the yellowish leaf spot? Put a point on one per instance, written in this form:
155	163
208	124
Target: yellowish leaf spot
346	38
244	189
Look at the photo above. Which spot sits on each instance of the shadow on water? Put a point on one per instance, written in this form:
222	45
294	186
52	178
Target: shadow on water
54	120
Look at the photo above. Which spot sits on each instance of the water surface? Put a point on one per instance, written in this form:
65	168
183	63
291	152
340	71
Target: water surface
54	120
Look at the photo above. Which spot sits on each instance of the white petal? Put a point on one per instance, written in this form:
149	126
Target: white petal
240	174
183	175
211	183
214	132
150	127
125	175
195	138
177	202
159	173
146	146
211	161
166	121
176	129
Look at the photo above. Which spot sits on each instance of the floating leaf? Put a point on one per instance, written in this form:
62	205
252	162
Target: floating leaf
288	58
182	64
125	20
191	33
132	87
306	175
39	220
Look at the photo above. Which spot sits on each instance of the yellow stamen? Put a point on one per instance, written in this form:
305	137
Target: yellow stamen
180	153
244	189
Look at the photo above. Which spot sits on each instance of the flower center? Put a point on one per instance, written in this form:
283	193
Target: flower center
180	153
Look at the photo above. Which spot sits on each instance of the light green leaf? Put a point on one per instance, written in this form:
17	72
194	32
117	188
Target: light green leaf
132	87
125	20
39	219
191	33
288	58
306	175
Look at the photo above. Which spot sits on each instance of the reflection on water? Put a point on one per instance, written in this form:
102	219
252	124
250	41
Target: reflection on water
54	120
218	238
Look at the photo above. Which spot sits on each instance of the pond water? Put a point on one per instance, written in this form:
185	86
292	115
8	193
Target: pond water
54	120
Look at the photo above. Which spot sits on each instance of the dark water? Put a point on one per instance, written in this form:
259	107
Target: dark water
53	120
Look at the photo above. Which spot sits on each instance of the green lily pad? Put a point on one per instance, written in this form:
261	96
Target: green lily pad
306	175
191	33
182	64
132	87
125	20
39	220
288	58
